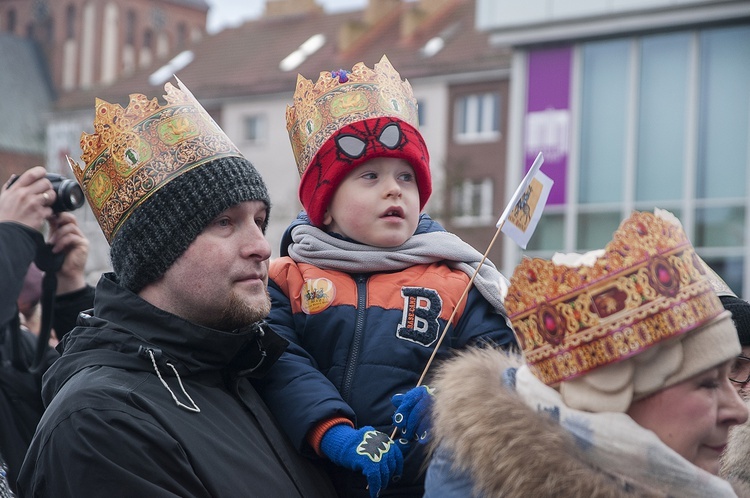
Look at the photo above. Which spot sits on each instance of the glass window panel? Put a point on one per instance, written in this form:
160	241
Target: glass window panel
549	234
421	112
720	227
472	201
495	126
595	230
477	117
724	109
730	269
661	116
255	128
481	113
472	109
603	120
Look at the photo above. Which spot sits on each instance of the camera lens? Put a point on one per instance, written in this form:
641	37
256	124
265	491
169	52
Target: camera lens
70	195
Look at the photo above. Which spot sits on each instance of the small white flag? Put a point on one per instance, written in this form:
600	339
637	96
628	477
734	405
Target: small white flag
522	214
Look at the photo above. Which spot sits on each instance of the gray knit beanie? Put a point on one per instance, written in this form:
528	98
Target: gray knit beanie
740	315
162	227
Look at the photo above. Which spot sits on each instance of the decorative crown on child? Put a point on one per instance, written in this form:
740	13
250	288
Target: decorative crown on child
343	97
348	118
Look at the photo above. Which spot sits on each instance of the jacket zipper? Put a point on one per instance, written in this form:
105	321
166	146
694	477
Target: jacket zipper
359	330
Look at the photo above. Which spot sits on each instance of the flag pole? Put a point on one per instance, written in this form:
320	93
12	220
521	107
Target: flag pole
500	222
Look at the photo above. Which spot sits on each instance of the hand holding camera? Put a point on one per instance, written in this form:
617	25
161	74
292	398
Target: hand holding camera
34	196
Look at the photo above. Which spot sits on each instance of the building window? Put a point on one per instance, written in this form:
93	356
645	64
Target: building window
421	112
255	128
181	36
663	122
472	202
130	20
477	117
148	39
11	21
70	22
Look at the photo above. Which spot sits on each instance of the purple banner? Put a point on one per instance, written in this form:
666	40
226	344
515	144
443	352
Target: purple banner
547	121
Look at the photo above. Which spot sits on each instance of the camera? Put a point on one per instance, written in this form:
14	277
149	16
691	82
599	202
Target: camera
69	193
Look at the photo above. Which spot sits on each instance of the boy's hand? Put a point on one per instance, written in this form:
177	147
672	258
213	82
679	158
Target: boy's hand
370	451
412	414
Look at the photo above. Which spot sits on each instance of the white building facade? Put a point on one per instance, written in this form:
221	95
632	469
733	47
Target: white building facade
636	104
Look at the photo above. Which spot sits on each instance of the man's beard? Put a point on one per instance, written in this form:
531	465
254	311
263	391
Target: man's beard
237	313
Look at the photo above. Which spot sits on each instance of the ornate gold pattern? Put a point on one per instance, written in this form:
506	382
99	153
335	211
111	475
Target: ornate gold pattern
340	98
135	151
649	286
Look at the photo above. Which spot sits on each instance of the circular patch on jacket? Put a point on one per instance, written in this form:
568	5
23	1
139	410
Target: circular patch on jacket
317	294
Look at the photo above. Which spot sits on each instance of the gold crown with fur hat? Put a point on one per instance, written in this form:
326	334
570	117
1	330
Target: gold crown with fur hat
640	297
343	97
135	151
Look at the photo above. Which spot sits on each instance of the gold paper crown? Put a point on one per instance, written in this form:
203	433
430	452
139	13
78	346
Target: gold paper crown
135	151
647	287
340	98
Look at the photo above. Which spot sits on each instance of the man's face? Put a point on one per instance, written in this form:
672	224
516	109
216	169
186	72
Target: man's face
220	281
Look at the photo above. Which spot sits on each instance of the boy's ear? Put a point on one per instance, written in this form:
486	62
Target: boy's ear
327	218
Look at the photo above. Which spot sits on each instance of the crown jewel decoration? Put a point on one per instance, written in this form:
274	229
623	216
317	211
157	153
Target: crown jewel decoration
342	97
135	151
648	286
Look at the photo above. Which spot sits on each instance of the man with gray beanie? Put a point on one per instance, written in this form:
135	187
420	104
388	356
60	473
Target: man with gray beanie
735	466
151	396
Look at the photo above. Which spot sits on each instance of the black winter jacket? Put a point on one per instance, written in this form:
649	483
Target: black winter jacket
112	428
20	390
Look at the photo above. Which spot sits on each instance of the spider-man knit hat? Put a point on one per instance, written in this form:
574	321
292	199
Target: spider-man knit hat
347	118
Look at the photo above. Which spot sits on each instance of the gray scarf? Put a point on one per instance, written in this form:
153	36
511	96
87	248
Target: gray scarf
314	246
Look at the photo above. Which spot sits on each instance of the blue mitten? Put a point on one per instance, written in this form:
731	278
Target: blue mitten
412	414
367	450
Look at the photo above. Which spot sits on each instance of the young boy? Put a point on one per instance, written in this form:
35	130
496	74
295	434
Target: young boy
366	284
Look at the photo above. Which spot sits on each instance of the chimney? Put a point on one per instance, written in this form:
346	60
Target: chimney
377	9
278	8
418	13
353	31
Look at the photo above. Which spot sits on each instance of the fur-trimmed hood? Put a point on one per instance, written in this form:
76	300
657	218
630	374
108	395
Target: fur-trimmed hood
509	449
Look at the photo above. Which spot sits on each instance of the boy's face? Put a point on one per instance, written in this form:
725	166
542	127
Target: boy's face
376	204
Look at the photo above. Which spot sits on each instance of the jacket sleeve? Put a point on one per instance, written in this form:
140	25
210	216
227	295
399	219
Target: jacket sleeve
444	481
296	392
17	250
90	453
481	325
68	306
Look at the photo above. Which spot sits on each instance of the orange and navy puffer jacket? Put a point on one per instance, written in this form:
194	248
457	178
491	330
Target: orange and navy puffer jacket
358	339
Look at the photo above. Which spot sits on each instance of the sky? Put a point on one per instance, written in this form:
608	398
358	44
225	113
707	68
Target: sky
228	13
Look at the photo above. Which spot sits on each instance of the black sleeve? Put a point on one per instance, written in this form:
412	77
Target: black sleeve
18	246
68	306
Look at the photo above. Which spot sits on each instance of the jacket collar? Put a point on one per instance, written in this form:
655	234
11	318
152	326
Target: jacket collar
123	327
